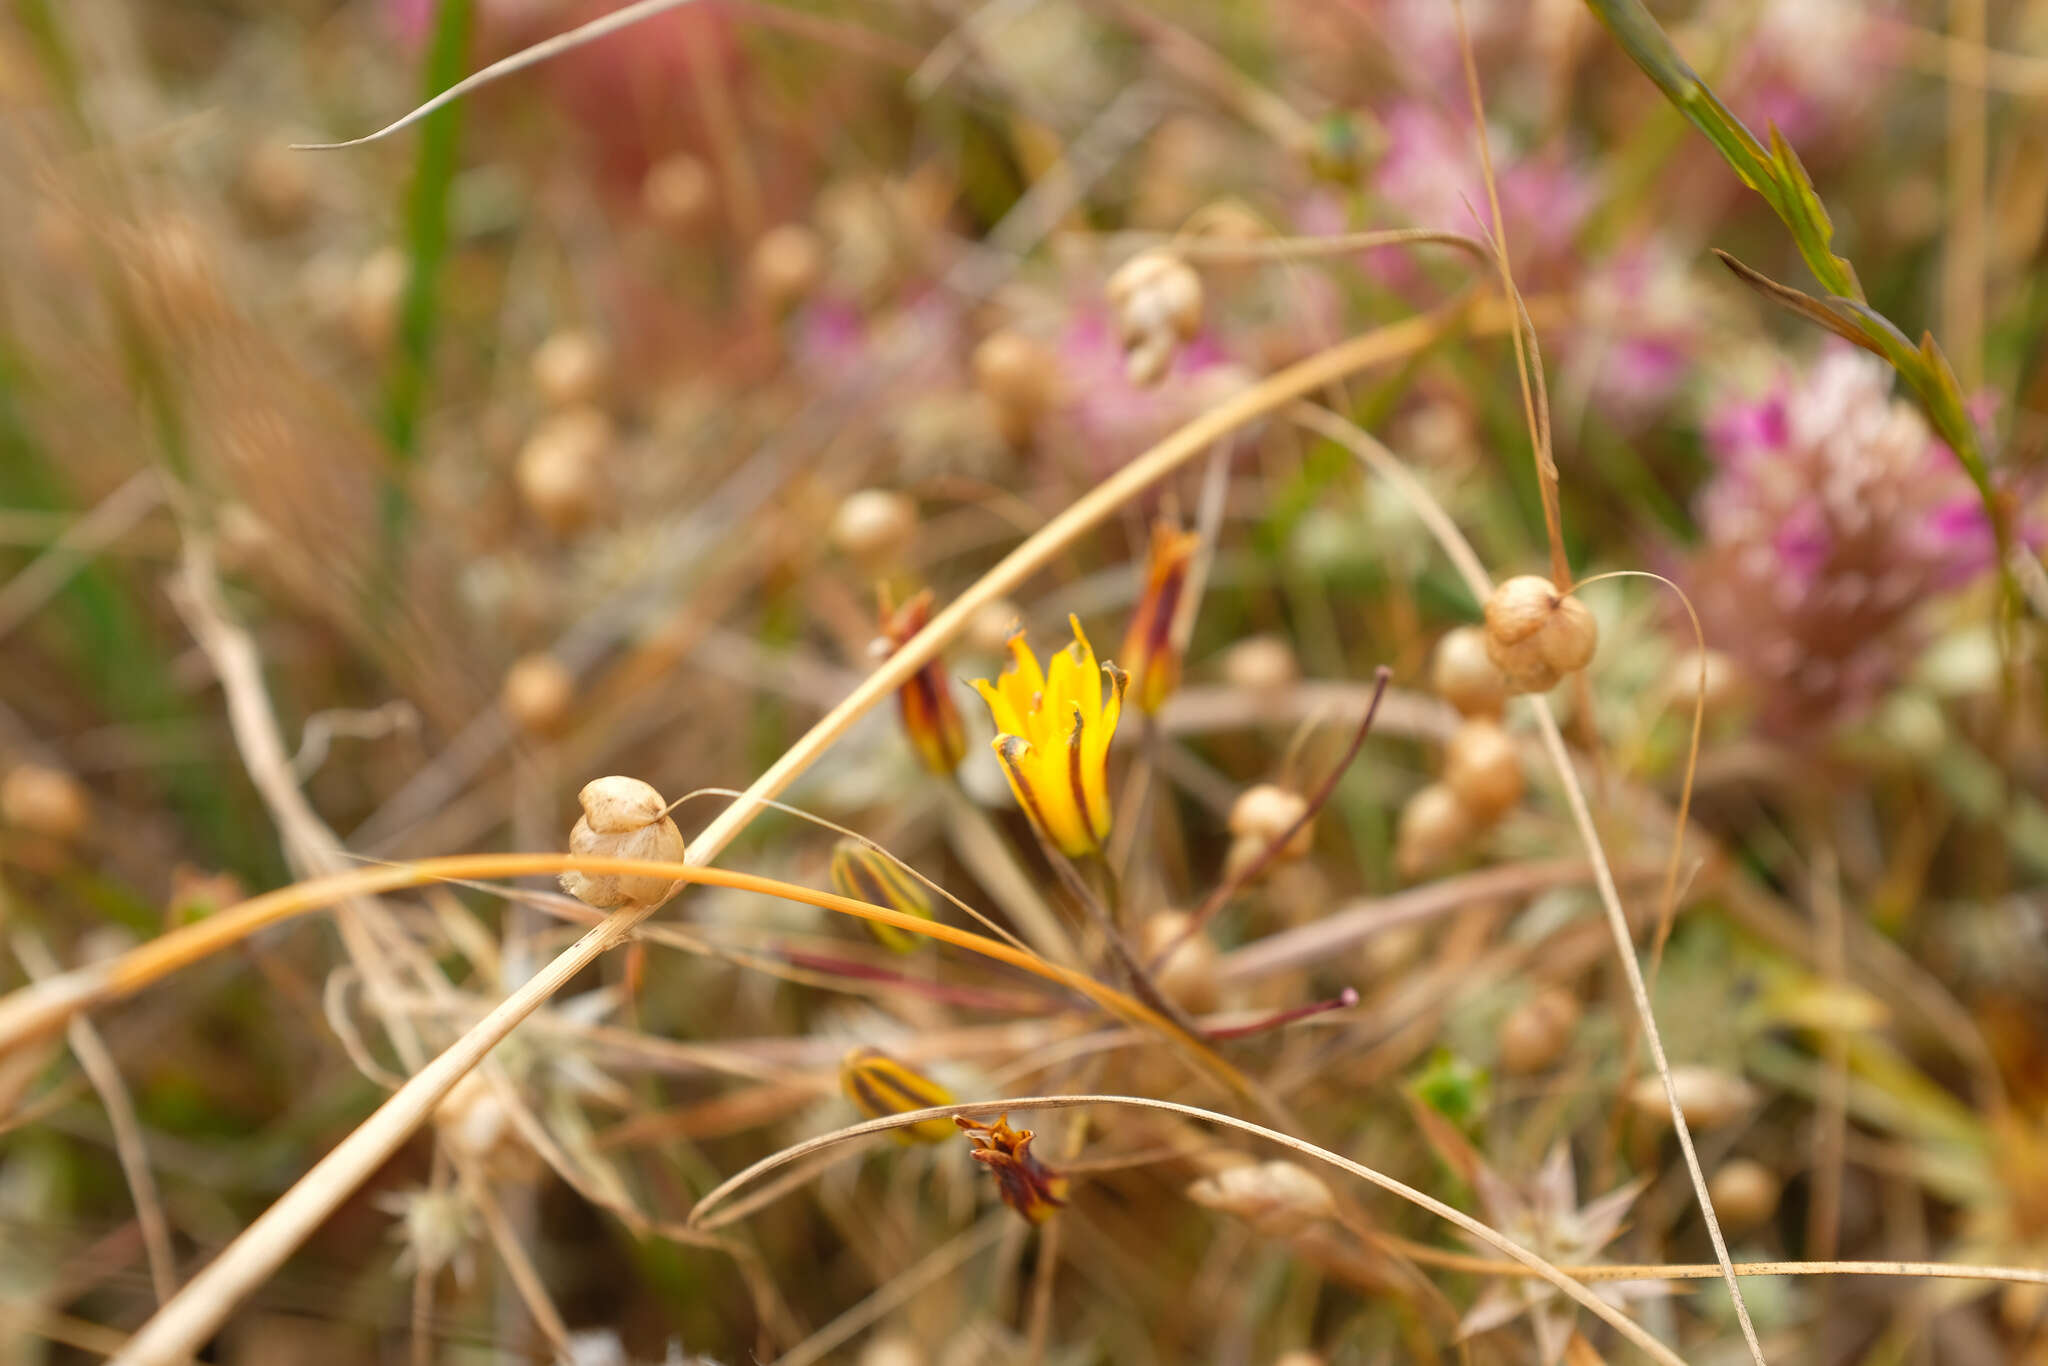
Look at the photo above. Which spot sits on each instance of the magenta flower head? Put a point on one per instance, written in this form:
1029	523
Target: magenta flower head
1834	516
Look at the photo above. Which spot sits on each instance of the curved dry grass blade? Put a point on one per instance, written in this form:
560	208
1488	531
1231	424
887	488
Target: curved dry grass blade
1535	1265
1426	1255
519	61
184	1324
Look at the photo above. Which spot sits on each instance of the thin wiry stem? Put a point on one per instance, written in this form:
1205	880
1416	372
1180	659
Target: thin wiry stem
518	61
129	1148
1537	1265
1383	462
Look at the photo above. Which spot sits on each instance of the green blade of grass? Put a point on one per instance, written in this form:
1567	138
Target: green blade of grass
426	244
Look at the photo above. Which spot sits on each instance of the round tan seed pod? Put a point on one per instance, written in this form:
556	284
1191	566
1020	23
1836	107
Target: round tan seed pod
45	801
1483	767
174	257
622	818
476	1124
1188	978
1156	298
1463	673
892	1349
991	626
1535	1033
1535	635
1298	1357
374	294
677	192
785	267
2021	1305
561	467
874	526
1265	812
571	367
1276	1198
1745	1194
1261	664
1434	825
1019	376
1707	1096
275	186
1726	687
537	693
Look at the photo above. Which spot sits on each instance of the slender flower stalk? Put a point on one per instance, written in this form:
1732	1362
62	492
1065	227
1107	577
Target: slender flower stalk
1053	728
924	701
1150	650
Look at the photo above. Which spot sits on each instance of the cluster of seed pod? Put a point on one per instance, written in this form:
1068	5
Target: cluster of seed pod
1532	638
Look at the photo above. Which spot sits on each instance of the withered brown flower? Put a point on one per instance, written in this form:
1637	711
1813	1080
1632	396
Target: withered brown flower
1027	1185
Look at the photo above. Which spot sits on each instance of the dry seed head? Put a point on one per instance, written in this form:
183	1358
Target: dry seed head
373	298
536	694
45	801
1276	1198
622	818
1188	978
1019	376
1267	811
1434	824
677	192
1535	635
1463	673
275	185
176	261
1745	1194
1707	1096
990	628
1536	1033
476	1123
892	1350
1156	298
874	526
560	467
785	267
1726	687
1483	767
571	367
1260	664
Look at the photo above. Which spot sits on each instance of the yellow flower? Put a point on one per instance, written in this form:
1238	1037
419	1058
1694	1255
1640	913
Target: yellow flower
1053	730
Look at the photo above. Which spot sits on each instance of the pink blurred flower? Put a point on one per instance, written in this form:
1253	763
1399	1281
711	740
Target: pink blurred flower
1640	323
1834	517
1115	419
1430	176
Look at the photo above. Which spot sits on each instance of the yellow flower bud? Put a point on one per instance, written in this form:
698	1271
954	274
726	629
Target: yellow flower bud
864	873
1149	649
926	701
879	1085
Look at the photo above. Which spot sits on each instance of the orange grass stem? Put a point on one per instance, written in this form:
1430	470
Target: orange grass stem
32	1011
